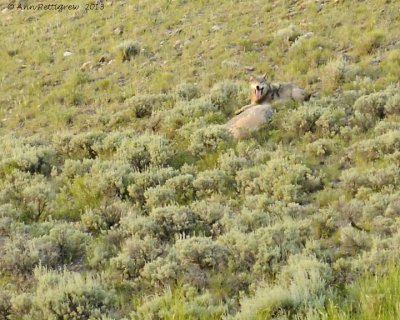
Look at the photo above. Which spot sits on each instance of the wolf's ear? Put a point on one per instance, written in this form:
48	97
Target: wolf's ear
264	76
252	78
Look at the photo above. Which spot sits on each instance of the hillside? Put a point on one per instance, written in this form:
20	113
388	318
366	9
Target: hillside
122	196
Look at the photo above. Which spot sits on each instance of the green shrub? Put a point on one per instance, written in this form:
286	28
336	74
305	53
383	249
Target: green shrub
210	212
136	224
135	253
28	155
322	147
173	220
103	218
369	109
276	243
282	178
163	272
232	163
21	306
209	139
290	33
370	41
5	304
159	196
202	252
151	177
182	186
302	120
187	91
301	284
83	145
393	105
180	303
228	95
69	294
129	49
212	182
31	195
375	148
145	150
145	105
73	168
8	216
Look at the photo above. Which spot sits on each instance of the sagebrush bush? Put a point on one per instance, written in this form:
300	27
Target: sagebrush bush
277	243
210	212
70	295
228	95
369	109
173	220
376	148
290	33
352	179
73	168
5	304
302	120
301	284
322	147
163	272
32	195
151	177
28	155
232	163
159	196
183	187
144	105
181	303
209	139
134	255
281	178
212	181
106	217
145	150
202	252
184	112
129	49
187	91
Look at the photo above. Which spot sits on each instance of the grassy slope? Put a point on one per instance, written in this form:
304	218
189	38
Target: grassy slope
355	46
247	37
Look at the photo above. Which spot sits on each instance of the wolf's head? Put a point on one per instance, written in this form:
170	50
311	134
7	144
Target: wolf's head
259	88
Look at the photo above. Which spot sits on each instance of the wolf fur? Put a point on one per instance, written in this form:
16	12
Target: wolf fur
262	92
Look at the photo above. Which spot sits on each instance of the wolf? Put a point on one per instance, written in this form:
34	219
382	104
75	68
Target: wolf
257	114
262	92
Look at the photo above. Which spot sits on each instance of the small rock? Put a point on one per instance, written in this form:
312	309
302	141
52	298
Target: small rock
376	60
308	35
119	30
104	58
249	68
67	53
178	44
216	28
231	64
86	66
5	10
